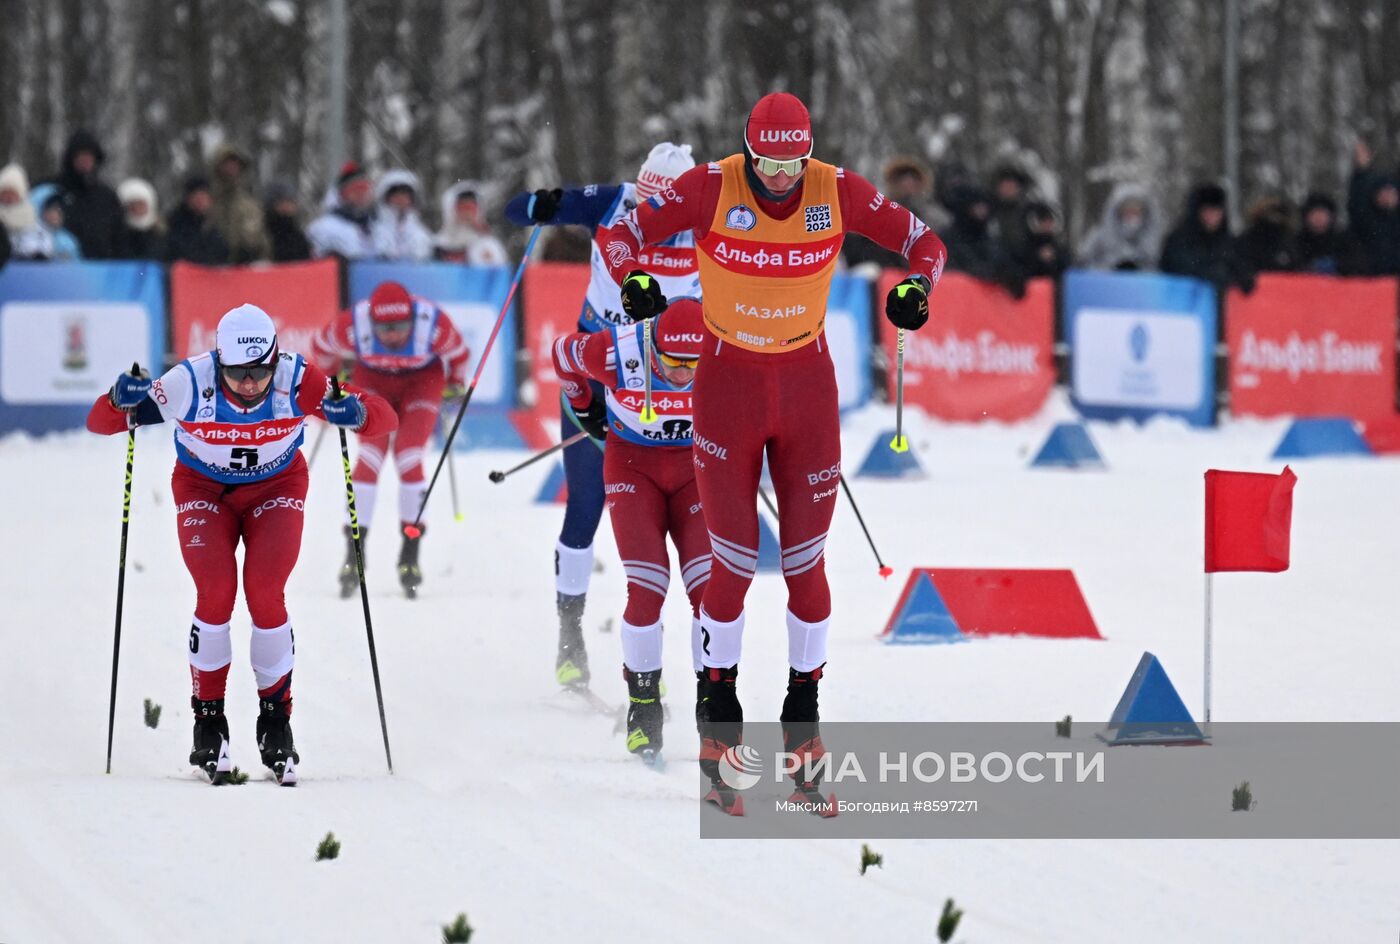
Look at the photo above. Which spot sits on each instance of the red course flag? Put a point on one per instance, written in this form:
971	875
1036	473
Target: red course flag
1248	519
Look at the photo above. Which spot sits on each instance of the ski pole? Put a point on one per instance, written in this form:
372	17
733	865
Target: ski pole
413	530
452	481
360	572
884	571
768	502
316	446
499	477
899	443
648	414
121	575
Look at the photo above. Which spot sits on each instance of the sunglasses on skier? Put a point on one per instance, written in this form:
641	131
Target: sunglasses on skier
669	361
771	166
258	372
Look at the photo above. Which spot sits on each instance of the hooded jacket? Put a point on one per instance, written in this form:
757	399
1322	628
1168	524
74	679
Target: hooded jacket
91	210
289	242
16	217
1375	231
1212	257
459	242
236	211
400	234
1112	245
145	234
44	242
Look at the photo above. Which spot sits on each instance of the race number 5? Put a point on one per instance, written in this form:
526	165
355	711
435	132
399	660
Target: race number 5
243	457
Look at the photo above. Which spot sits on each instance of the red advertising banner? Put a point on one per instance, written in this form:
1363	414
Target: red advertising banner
1311	345
552	298
300	296
982	355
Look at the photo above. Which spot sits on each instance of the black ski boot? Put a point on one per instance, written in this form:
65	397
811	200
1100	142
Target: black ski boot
644	715
279	754
700	712
210	749
349	572
571	662
802	739
721	731
410	575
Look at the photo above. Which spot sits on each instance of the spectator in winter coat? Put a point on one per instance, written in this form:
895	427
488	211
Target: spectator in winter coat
145	233
281	219
464	236
91	210
1129	232
1039	251
1321	245
19	217
236	211
1010	191
345	229
908	182
973	249
1267	243
1201	245
51	241
1373	207
398	230
192	233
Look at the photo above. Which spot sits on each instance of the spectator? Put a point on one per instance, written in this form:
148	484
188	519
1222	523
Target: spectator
1268	243
1040	250
20	220
1373	206
908	182
91	210
972	249
464	236
145	233
283	223
236	212
1321	246
344	230
52	241
1201	245
1129	232
192	235
1010	186
398	230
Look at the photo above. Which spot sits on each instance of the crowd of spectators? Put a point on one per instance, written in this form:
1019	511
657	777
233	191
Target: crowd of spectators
223	217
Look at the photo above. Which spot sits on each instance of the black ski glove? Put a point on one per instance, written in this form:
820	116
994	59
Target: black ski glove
907	303
544	204
641	296
594	420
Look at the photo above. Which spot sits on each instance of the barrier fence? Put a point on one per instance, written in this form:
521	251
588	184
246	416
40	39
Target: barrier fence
1139	344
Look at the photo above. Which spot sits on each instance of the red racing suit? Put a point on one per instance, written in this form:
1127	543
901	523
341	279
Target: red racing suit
765	382
411	379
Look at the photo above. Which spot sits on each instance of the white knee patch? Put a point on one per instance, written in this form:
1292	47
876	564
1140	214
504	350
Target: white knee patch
641	647
806	643
365	493
210	647
573	566
720	643
695	652
410	497
272	653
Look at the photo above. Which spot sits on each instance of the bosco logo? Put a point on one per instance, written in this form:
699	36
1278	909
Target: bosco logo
825	475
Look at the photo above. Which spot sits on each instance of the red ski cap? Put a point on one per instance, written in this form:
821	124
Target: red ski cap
779	127
390	301
680	330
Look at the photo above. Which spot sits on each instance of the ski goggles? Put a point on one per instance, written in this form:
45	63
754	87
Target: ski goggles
240	373
393	327
772	166
670	361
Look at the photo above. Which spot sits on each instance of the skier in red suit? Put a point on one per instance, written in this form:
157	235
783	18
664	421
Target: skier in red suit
768	225
406	350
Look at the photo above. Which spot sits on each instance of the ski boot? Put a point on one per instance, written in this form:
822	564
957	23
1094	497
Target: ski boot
721	731
210	749
410	575
279	754
700	698
571	662
802	740
644	715
349	571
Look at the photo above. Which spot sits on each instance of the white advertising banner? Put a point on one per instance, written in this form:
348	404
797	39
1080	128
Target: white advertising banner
1136	358
67	352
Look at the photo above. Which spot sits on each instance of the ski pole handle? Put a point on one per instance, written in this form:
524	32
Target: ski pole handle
899	443
648	414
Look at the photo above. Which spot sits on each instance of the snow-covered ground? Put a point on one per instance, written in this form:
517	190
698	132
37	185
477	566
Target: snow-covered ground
515	806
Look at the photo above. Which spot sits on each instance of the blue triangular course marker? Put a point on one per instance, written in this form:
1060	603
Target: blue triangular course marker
553	485
1068	447
1321	437
882	462
925	618
1150	711
770	554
